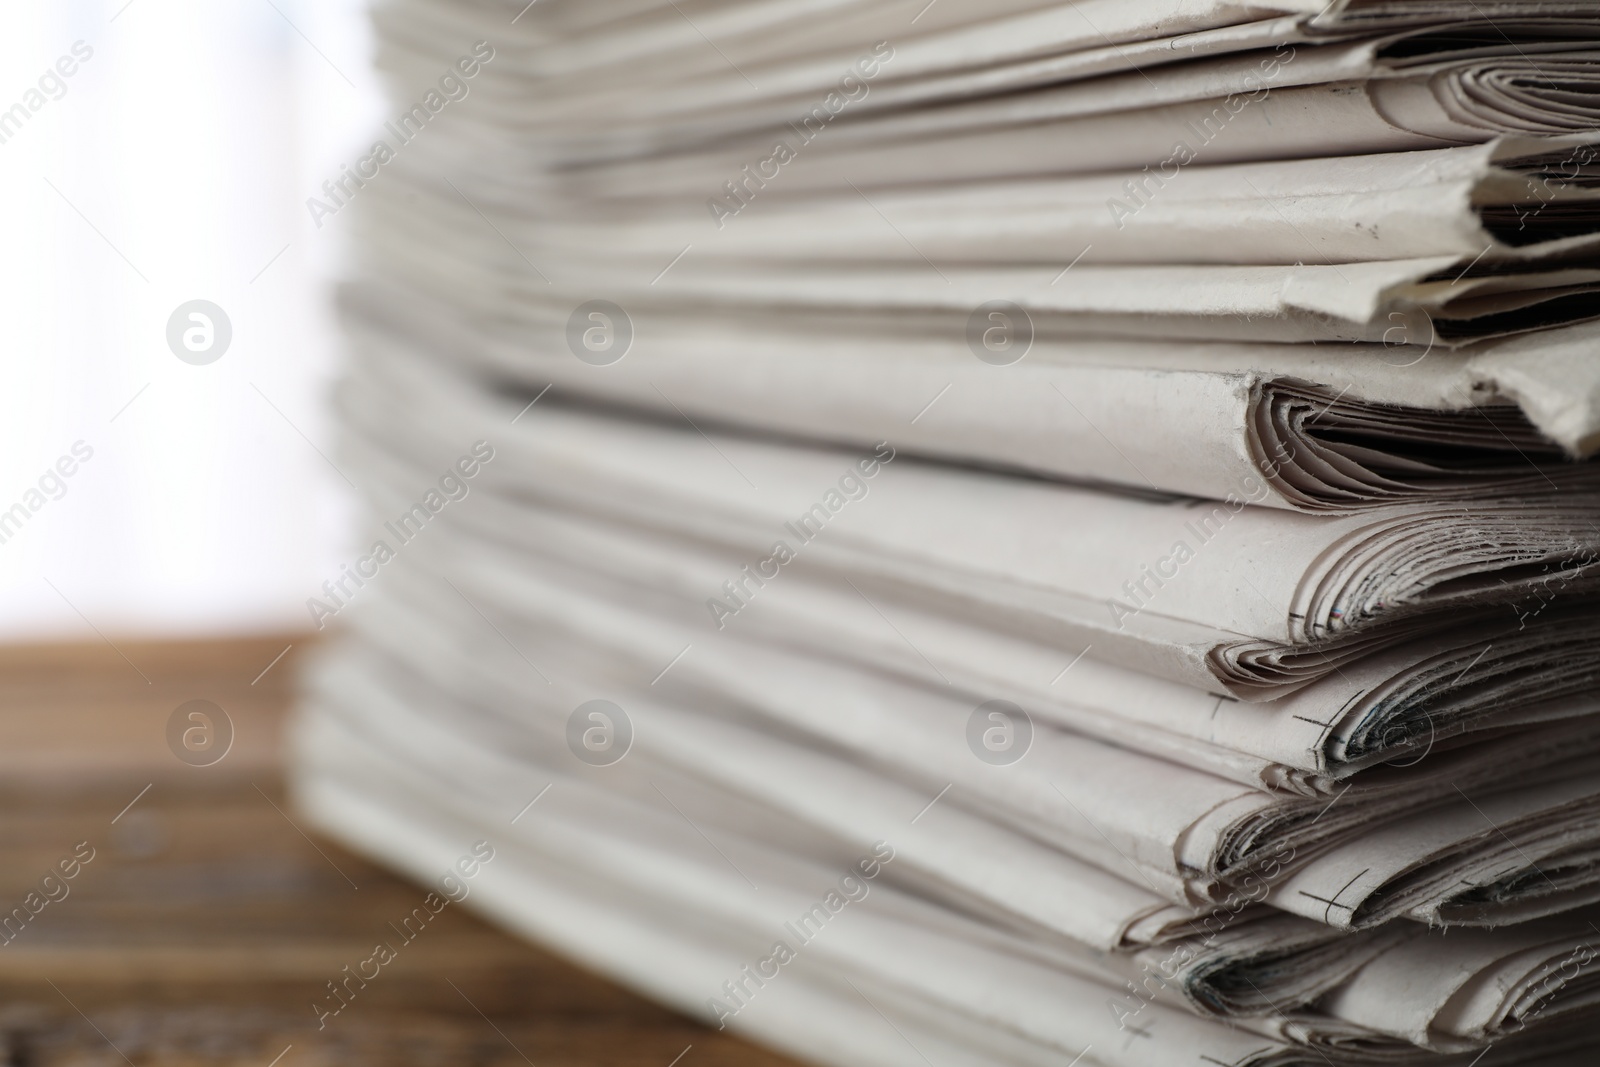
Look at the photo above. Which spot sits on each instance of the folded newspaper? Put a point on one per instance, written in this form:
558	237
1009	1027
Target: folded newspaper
1250	602
650	856
1036	534
1142	807
1313	428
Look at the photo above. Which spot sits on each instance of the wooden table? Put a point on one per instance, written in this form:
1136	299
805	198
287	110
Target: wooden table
207	921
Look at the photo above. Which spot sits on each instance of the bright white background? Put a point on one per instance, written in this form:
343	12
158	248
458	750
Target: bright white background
175	167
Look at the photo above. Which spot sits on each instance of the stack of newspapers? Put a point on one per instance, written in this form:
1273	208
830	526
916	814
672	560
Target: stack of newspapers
987	531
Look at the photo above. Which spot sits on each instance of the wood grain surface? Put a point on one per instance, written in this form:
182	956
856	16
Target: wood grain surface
206	922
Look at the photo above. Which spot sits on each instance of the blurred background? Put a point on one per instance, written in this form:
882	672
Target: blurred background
167	506
172	165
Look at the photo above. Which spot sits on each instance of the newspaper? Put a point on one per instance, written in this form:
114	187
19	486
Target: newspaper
1397	706
655	852
1512	199
1306	427
680	951
1193	838
550	224
1036	534
1475	986
1393	706
1224	597
1432	302
1436	301
1347	100
1481	859
1413	80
